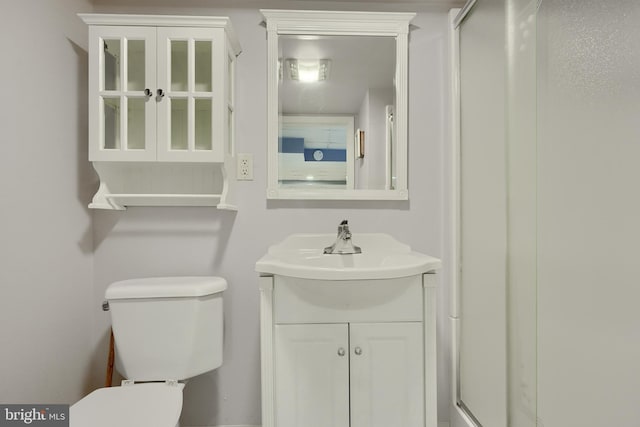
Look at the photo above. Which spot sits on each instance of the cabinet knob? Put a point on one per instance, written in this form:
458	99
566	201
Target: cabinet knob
160	93
357	351
341	352
147	92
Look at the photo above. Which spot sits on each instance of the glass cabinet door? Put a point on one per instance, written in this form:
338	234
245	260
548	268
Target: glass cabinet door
123	95
191	82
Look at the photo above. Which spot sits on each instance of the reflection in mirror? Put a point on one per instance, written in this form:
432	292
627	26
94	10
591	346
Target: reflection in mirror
352	76
316	151
330	74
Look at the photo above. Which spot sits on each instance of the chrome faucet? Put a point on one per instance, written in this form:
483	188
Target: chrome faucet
343	244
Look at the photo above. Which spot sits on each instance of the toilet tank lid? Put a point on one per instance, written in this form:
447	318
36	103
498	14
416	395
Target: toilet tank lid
166	287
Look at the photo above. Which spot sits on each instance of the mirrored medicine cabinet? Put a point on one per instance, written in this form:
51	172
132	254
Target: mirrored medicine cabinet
337	105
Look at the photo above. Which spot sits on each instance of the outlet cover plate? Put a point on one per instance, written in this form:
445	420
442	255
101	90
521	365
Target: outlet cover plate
244	168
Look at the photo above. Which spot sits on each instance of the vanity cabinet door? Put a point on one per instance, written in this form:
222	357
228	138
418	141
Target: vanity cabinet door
349	375
312	375
387	375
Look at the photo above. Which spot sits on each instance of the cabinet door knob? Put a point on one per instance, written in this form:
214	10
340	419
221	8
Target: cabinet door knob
357	351
160	93
147	92
341	352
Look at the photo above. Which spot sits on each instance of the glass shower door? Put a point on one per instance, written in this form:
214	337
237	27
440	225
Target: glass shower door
482	316
495	312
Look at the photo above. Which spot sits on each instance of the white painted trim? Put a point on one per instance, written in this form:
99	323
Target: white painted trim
454	162
266	351
455	359
401	115
461	418
458	416
463	13
327	194
165	21
337	22
429	308
272	112
154	20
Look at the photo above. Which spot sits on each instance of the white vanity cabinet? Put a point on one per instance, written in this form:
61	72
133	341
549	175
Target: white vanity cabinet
358	374
161	93
348	353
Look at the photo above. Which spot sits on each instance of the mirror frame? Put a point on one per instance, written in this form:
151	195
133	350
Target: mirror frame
337	23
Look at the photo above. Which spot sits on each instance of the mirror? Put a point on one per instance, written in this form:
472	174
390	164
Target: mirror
337	105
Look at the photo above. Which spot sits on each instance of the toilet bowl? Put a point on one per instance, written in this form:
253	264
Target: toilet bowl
138	405
166	330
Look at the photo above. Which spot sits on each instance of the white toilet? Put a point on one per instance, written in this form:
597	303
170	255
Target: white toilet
166	330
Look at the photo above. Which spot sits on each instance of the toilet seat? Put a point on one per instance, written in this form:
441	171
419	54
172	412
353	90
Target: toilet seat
136	405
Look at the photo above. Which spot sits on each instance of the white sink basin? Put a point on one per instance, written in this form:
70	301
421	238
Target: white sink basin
382	257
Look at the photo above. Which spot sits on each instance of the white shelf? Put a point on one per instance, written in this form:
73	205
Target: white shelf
119	201
162	184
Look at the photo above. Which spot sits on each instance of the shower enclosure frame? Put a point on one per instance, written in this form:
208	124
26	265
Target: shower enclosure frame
520	276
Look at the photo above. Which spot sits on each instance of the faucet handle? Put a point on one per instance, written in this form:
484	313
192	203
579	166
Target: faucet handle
343	227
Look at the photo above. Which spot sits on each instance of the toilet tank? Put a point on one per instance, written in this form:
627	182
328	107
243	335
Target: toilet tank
167	328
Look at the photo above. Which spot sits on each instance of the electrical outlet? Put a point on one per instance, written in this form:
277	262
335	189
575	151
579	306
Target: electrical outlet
244	169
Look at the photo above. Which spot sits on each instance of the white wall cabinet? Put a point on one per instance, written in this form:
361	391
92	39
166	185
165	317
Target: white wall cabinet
355	353
161	92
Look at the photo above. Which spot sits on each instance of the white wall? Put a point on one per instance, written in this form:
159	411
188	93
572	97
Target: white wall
371	169
170	241
588	211
45	182
375	140
361	165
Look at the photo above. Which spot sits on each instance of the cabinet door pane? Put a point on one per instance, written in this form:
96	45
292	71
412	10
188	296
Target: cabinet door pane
387	375
111	120
179	61
188	66
312	375
203	124
179	124
136	65
136	123
111	64
203	52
